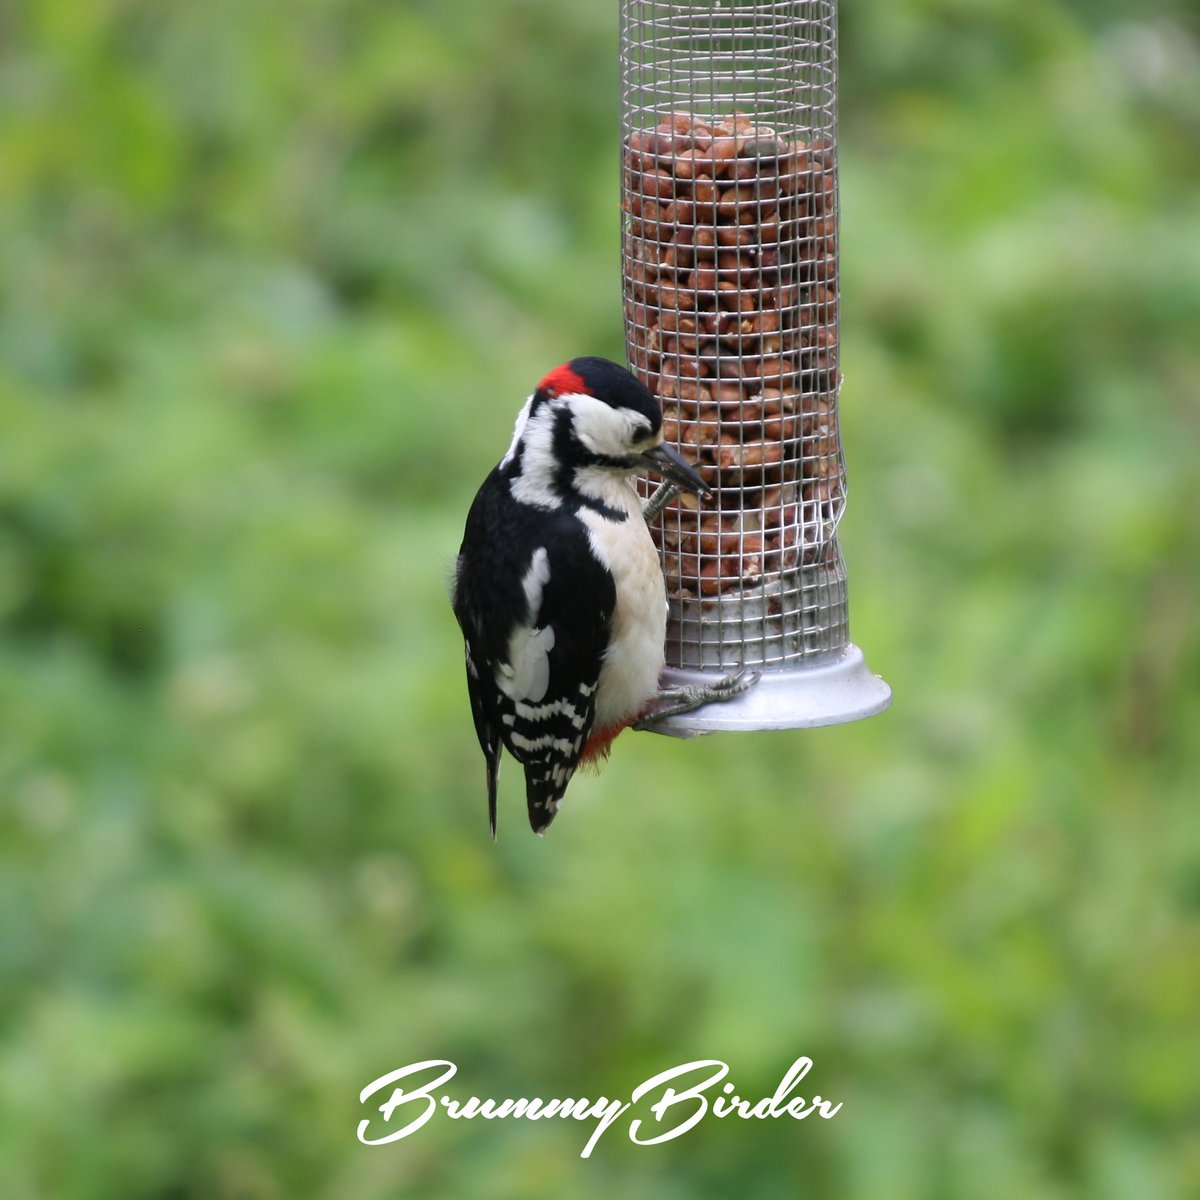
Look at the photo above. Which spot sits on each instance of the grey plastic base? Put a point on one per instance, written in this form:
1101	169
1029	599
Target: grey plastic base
831	691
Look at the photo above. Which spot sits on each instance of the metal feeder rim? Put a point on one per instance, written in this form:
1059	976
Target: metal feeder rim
833	691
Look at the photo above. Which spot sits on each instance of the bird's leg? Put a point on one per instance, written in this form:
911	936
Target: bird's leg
663	495
674	701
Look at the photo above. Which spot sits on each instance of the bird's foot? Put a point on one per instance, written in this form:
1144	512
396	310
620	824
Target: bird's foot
663	495
686	698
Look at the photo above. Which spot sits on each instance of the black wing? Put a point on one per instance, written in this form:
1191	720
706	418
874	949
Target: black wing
531	675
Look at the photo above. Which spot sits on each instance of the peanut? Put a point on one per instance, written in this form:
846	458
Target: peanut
731	312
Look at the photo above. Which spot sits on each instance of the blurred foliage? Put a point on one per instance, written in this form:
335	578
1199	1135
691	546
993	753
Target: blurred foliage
275	277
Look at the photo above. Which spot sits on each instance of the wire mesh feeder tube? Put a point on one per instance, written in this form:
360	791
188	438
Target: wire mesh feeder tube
730	279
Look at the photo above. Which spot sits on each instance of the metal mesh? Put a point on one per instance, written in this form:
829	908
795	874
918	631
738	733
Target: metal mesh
730	277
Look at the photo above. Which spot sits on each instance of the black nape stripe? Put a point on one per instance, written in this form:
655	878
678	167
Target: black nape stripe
513	467
608	460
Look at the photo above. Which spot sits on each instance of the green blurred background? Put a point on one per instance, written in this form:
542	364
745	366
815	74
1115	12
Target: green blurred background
276	275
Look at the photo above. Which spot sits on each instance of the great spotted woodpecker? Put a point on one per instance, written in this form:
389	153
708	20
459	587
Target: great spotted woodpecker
558	588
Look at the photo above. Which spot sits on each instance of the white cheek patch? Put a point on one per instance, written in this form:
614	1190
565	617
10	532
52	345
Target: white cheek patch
604	430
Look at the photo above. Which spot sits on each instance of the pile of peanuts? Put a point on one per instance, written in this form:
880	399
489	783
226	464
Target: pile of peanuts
730	281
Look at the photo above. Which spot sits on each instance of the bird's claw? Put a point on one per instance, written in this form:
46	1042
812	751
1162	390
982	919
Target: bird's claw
687	697
663	495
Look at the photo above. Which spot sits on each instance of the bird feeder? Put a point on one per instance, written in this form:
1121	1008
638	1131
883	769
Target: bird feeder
730	280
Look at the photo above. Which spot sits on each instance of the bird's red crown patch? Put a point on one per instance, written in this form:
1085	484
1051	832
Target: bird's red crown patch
563	381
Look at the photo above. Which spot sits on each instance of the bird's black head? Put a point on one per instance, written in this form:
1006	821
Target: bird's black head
591	414
608	382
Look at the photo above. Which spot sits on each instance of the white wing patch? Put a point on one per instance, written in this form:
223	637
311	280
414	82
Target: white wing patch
535	582
526	674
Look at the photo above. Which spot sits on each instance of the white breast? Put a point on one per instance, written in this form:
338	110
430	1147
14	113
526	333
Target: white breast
634	662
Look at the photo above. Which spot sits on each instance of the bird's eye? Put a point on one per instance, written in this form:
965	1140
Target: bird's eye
642	436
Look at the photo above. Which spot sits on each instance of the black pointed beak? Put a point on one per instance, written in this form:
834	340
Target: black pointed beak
668	463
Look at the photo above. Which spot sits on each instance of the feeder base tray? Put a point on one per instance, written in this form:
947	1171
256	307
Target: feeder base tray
829	691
